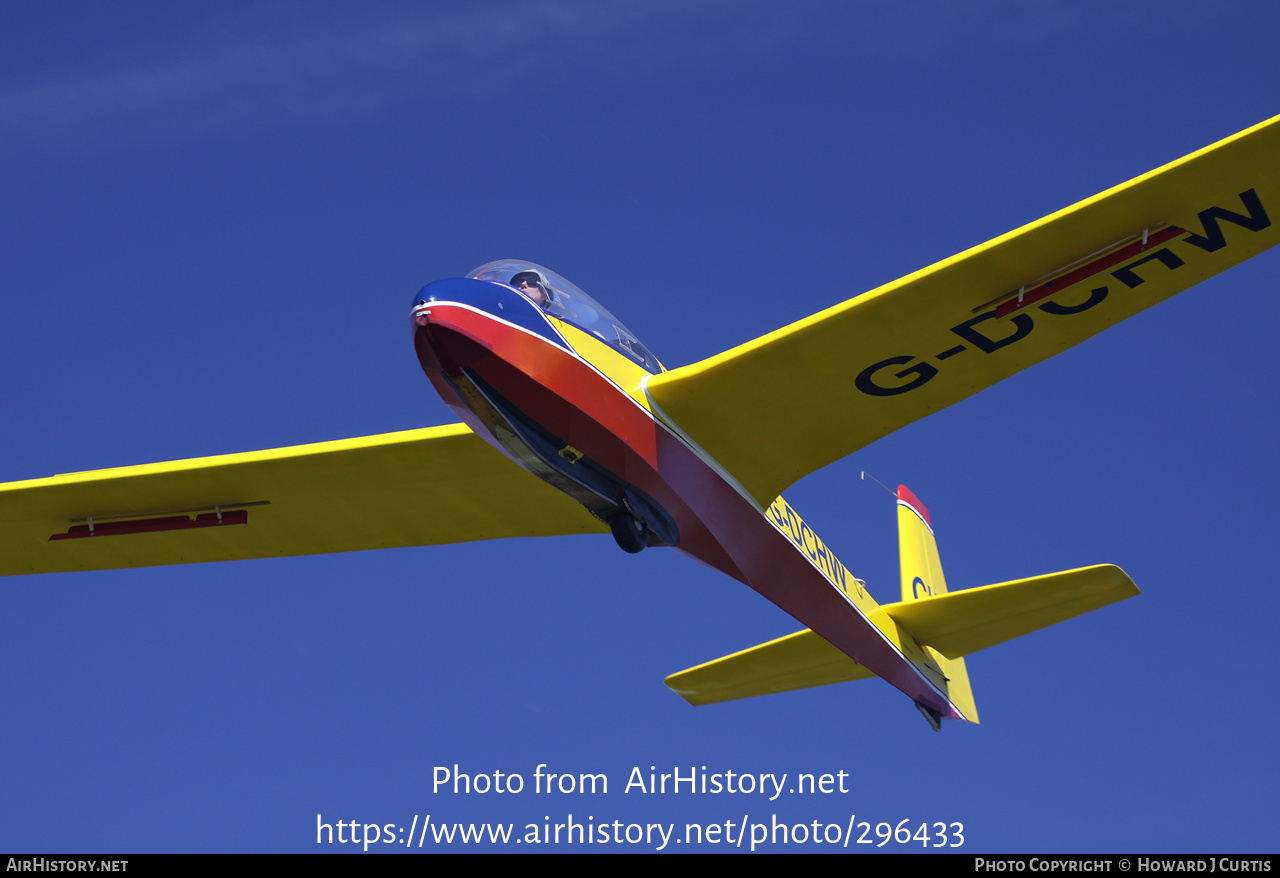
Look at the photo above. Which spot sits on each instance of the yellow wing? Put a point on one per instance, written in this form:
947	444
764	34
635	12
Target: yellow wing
413	488
822	388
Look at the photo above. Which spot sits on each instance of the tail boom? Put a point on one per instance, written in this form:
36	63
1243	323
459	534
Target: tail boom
931	628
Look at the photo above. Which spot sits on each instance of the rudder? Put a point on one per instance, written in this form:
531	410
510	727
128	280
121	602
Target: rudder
922	577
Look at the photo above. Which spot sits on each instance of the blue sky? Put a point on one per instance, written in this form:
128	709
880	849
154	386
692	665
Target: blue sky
215	217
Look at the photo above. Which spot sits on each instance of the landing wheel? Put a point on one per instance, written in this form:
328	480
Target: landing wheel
630	534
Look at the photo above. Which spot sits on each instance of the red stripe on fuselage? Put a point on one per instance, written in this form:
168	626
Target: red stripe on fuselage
572	400
718	525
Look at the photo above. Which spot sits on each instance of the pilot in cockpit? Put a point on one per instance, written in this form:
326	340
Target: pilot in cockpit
531	283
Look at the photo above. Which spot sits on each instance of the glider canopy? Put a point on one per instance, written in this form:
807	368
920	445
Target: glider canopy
573	306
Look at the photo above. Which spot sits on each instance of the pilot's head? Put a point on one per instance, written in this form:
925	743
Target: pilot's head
532	284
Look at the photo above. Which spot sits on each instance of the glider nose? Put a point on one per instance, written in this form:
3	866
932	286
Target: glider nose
422	313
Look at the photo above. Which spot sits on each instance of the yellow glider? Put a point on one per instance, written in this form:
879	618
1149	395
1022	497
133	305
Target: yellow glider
812	393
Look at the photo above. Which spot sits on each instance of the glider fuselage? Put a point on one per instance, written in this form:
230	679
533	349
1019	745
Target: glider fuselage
568	404
695	458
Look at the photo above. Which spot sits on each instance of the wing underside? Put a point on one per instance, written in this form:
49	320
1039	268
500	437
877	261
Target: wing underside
414	488
819	389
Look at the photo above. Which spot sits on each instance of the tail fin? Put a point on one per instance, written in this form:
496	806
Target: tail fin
921	572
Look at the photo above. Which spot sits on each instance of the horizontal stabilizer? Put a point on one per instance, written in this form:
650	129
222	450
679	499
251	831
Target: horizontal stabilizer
955	624
796	661
963	622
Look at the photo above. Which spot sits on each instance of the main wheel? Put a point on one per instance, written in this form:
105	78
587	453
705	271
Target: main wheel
631	535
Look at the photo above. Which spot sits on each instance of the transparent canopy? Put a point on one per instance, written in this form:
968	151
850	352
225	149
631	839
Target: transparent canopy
562	299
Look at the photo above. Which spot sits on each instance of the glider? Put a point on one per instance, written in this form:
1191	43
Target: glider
570	425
